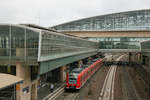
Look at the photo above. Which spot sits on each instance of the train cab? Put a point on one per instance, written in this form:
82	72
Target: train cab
73	80
79	76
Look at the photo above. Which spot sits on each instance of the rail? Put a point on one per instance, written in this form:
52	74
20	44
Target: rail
107	92
55	94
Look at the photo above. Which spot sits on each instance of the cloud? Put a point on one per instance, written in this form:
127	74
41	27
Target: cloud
52	12
18	11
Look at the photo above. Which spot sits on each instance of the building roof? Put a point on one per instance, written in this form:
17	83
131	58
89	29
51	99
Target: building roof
38	27
122	21
7	80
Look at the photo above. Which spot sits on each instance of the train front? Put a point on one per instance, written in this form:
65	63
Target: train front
73	80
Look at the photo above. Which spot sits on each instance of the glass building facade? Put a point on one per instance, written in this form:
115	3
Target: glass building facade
28	44
18	43
55	45
131	20
145	51
119	42
145	46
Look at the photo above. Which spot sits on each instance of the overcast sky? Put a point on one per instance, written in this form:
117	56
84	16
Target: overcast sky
52	12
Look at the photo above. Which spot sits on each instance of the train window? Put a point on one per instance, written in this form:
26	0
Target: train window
89	72
81	79
84	77
92	69
95	66
72	80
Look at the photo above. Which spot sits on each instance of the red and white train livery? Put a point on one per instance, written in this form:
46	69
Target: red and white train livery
78	76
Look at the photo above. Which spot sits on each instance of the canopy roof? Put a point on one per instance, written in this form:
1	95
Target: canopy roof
7	80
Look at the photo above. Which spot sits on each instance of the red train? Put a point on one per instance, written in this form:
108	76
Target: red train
78	76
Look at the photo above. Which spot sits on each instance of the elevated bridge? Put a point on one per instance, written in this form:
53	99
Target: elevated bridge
42	47
117	33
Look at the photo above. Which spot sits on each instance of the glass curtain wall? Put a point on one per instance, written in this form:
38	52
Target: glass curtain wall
119	43
17	43
20	43
145	46
132	20
4	41
59	44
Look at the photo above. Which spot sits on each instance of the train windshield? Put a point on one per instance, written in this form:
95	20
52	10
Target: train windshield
72	80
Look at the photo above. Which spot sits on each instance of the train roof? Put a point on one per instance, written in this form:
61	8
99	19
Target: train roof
77	70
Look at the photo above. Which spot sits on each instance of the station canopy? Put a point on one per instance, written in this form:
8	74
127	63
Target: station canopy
7	80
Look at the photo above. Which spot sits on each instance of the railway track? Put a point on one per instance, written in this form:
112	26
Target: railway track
54	95
69	96
129	89
107	92
60	94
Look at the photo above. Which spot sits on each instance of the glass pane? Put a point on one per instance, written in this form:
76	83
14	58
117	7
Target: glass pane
32	39
17	41
4	41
